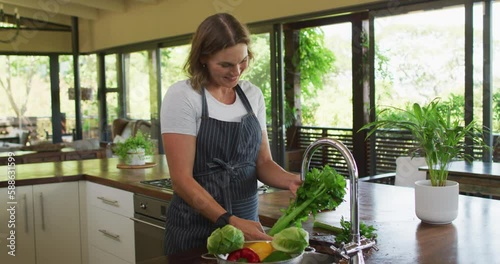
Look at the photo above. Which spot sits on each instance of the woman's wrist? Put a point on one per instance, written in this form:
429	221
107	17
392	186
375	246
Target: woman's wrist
223	219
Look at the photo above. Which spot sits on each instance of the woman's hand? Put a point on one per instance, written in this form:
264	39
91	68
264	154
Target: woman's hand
295	183
251	229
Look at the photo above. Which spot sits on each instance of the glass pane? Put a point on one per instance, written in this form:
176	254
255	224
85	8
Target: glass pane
417	60
110	71
88	93
172	65
496	70
112	105
258	71
25	82
67	96
138	85
477	63
112	109
89	103
335	98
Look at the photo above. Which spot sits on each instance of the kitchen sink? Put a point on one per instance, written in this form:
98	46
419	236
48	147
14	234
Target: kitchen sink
318	258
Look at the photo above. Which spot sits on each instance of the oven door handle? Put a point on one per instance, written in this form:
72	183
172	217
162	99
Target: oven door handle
146	223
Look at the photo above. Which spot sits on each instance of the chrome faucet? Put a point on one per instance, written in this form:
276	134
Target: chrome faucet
353	250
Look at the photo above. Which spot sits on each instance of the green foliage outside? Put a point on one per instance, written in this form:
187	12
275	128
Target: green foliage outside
455	104
314	61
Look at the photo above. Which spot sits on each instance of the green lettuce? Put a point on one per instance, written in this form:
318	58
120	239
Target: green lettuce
225	240
291	240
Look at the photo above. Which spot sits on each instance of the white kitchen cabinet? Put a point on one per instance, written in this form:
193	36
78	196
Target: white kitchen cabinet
99	256
57	223
48	226
24	235
110	229
82	186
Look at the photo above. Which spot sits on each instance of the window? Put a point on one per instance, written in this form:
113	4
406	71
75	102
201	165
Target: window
332	106
67	96
417	59
496	68
25	85
112	105
258	71
137	85
89	103
172	65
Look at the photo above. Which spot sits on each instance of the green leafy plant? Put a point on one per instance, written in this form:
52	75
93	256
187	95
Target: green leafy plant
343	233
322	190
440	138
139	141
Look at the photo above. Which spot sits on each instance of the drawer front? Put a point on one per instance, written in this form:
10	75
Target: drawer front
112	233
111	199
97	256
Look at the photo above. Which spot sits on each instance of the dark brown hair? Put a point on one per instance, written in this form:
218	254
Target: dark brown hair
214	34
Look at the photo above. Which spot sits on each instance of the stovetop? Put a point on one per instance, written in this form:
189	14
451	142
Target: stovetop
165	183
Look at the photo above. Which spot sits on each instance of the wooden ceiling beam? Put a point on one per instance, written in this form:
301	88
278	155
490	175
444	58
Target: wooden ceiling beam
52	8
38	15
108	5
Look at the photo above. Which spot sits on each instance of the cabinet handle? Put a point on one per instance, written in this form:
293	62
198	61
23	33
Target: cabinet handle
111	235
107	201
26	226
146	223
42	211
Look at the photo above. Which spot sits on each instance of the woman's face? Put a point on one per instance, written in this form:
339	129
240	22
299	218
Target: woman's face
226	66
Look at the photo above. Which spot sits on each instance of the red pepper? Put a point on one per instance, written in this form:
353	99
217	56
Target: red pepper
246	254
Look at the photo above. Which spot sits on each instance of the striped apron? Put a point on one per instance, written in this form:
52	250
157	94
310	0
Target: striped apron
225	166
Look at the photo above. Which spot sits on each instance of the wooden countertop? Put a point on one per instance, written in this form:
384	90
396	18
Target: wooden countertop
402	238
102	171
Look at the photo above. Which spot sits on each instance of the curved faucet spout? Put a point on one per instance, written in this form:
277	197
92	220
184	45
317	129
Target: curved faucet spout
353	184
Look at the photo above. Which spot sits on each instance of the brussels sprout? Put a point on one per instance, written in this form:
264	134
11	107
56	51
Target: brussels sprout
291	240
225	240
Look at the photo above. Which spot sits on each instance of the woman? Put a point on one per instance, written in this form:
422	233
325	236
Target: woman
215	140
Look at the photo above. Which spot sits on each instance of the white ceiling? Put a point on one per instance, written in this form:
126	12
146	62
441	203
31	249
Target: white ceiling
61	11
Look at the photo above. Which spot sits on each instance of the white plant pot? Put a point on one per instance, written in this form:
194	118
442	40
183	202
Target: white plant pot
136	157
436	205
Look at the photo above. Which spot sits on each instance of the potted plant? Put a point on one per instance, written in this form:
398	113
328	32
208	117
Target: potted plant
134	149
440	139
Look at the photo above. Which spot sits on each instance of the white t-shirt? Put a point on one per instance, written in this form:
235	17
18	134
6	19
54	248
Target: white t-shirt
181	108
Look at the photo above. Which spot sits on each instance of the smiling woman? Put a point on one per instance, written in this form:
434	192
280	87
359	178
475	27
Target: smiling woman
225	68
215	140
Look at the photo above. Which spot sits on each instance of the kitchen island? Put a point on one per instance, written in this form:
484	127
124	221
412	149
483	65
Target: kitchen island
402	238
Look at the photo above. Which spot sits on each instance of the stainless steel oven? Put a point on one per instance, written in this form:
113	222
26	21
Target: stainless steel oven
149	221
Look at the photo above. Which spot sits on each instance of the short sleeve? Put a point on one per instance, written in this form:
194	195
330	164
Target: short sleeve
261	112
178	110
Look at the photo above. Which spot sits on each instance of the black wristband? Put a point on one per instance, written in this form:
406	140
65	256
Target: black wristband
223	220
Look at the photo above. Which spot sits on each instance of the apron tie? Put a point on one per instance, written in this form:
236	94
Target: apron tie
228	167
229	172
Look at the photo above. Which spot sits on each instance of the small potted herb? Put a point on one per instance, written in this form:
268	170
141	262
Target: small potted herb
133	150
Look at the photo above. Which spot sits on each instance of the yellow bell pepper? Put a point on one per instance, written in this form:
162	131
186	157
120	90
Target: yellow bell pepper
263	249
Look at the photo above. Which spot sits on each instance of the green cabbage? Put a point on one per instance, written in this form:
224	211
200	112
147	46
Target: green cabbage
291	240
225	240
